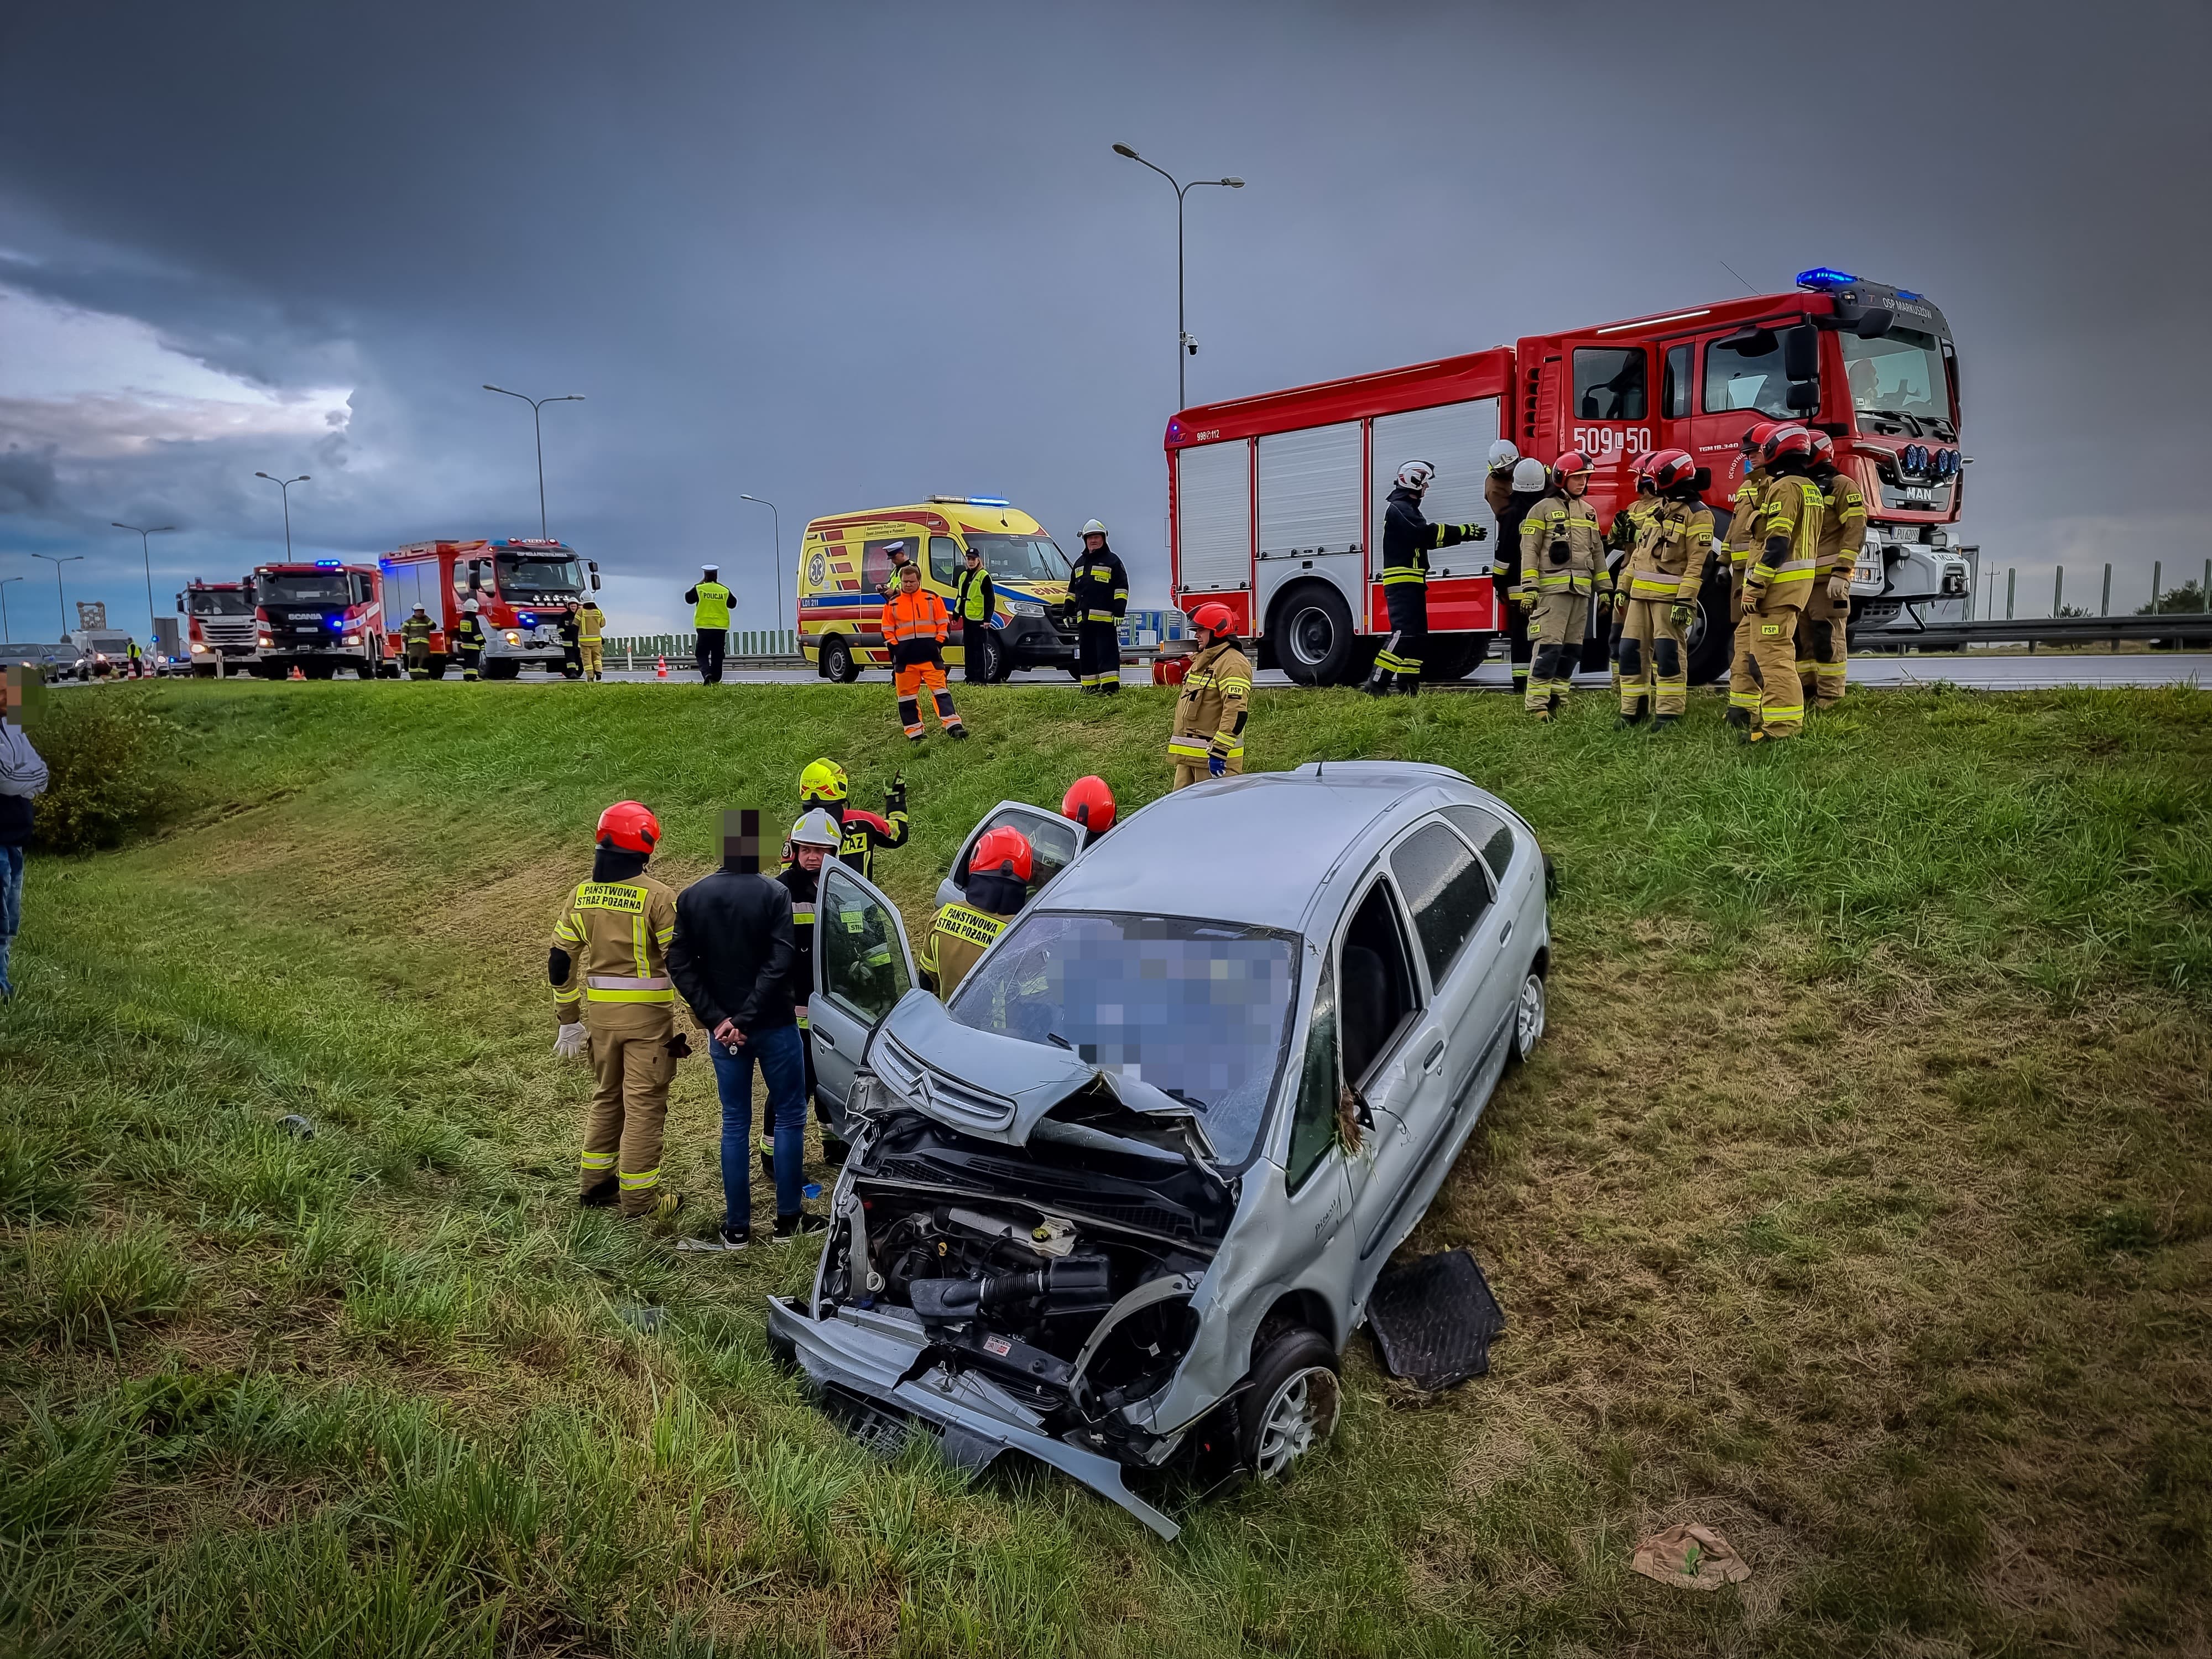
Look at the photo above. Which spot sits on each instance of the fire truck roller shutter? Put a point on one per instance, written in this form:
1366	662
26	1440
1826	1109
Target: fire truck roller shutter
1308	486
1457	438
1213	516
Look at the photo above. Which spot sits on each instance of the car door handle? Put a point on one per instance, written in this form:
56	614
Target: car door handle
824	1038
1505	932
1429	1060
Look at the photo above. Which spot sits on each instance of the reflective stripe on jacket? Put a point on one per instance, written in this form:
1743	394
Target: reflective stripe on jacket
1561	550
959	934
1407	538
1668	562
1098	588
1842	526
1790	511
615	934
590	621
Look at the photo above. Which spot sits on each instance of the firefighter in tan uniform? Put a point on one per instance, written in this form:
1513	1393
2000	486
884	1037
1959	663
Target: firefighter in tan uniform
1823	659
609	968
1628	525
1562	561
1208	739
590	635
415	637
1763	693
1665	569
1743	538
998	886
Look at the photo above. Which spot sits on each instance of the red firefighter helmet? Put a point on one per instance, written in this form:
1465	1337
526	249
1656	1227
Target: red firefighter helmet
1756	435
1214	618
1823	448
1089	803
630	826
1786	442
1004	851
1571	461
1668	468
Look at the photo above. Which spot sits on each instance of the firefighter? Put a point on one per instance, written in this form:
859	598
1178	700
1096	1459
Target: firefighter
1764	695
710	622
1407	538
1823	657
814	840
1743	538
572	644
590	629
1089	803
824	784
1098	593
1562	559
1660	586
976	605
914	627
1529	480
998	886
1208	740
609	968
415	635
1497	479
468	640
1629	523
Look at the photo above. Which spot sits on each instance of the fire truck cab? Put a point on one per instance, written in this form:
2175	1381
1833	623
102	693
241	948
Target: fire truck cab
1276	502
321	616
220	629
521	587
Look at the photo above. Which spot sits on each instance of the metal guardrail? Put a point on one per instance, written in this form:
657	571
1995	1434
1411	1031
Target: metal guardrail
2180	628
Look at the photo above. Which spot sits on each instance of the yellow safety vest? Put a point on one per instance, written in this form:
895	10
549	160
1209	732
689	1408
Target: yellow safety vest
713	608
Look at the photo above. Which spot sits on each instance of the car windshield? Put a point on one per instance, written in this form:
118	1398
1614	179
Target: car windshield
557	574
1199	1010
1900	373
323	587
1020	558
207	602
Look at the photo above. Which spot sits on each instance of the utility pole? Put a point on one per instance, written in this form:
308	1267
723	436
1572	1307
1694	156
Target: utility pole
6	634
61	599
539	429
1186	348
776	518
284	484
160	530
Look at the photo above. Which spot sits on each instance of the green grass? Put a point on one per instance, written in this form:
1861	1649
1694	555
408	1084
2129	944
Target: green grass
1857	1204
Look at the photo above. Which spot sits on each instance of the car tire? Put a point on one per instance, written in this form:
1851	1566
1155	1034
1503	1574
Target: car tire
991	657
837	664
1530	1009
1315	641
1291	1402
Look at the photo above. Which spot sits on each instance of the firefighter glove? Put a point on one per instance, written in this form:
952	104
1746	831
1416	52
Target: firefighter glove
1216	763
1682	613
1839	587
1755	589
1473	532
568	1042
1525	599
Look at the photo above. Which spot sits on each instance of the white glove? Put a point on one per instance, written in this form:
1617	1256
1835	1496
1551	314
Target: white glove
1839	588
568	1040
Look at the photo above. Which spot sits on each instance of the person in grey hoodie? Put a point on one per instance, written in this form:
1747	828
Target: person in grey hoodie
22	778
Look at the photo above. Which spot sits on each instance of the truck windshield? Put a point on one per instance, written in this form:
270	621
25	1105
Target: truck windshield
207	602
323	587
1199	1010
1020	558
530	575
1900	373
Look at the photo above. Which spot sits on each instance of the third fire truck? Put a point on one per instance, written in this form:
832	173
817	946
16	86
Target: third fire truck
220	629
1276	502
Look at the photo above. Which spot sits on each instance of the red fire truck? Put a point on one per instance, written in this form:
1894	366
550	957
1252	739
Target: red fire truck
220	632
321	616
520	586
1275	502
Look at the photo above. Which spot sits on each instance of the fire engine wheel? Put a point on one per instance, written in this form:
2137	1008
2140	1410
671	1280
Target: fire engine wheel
837	664
501	668
437	667
366	668
1710	640
205	670
1315	642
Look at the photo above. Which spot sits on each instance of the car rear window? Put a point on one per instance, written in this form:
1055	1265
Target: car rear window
1446	890
1487	831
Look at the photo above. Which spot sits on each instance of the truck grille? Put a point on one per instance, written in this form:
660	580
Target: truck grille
227	630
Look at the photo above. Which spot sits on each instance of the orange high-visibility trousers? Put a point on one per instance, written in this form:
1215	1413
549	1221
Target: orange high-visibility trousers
910	680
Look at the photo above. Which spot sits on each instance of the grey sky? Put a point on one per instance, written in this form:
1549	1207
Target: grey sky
846	255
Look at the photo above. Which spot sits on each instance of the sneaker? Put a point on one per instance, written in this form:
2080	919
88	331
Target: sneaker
721	1239
789	1227
958	734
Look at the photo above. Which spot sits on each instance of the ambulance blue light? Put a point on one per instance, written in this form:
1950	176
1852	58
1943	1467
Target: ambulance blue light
1821	276
988	501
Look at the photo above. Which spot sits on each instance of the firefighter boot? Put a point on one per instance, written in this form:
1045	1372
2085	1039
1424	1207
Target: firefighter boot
601	1195
1630	716
1661	722
1381	681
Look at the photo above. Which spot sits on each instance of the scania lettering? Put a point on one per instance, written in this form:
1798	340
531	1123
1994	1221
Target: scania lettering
1275	502
521	587
320	618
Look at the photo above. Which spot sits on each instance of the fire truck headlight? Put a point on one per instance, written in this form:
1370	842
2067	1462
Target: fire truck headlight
350	639
199	646
514	639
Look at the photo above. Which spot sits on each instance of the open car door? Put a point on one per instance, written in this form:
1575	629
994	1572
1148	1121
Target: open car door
862	966
1054	841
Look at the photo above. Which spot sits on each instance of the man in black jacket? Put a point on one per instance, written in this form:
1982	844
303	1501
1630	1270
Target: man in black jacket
731	959
1098	594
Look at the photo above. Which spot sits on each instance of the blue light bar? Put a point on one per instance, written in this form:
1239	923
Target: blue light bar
988	501
326	564
1821	276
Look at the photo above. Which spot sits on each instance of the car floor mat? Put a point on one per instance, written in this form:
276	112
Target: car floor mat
1434	1319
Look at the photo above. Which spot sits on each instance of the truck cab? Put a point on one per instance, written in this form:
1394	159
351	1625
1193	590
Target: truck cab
220	631
319	616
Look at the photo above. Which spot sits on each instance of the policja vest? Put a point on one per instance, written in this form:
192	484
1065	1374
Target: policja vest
976	600
711	607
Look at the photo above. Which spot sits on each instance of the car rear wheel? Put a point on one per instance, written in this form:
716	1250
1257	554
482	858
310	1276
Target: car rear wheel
1528	1018
1292	1405
992	661
837	664
1315	643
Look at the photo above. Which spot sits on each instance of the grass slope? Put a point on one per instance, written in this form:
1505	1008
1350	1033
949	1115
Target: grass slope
1857	1204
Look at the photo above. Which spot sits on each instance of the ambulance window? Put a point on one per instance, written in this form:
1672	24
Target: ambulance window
1609	383
876	559
1675	391
943	560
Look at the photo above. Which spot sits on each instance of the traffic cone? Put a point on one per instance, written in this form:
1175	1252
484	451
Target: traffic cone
661	673
296	674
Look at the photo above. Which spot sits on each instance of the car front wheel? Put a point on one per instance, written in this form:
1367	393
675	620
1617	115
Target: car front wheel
1292	1405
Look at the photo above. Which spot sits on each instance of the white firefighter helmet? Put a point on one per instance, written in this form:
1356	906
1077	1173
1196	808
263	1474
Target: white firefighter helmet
1503	454
1416	475
1092	527
470	605
816	828
1528	473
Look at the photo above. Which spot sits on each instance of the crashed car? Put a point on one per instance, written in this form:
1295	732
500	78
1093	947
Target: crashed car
1128	1195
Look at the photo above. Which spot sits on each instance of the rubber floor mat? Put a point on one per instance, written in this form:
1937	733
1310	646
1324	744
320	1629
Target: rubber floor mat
1433	1320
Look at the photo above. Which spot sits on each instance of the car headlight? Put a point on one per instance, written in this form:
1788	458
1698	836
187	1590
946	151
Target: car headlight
1024	608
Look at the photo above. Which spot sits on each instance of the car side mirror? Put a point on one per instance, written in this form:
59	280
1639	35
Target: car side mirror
180	604
1800	353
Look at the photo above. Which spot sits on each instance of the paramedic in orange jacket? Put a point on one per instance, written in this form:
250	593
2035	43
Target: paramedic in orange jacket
916	625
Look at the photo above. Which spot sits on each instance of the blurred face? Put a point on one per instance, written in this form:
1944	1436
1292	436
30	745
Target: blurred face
810	858
11	701
1092	543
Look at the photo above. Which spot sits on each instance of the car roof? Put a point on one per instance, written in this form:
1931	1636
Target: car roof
1253	849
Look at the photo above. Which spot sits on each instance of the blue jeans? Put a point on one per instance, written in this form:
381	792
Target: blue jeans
11	908
781	1052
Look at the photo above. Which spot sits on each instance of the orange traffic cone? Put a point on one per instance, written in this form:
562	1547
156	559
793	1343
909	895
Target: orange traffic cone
295	674
661	673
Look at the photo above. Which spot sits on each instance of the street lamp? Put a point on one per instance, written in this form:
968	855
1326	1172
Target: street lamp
1186	348
537	403
158	530
6	632
776	520
284	484
61	601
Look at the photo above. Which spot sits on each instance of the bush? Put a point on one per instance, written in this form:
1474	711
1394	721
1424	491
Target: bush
99	750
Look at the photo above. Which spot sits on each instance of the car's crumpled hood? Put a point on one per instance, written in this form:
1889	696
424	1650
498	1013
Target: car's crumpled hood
1035	1077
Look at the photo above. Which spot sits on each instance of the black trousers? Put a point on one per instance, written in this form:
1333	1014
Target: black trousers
974	658
472	658
1098	653
1516	636
1409	604
706	650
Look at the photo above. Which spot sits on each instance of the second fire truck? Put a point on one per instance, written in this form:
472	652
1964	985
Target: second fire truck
521	588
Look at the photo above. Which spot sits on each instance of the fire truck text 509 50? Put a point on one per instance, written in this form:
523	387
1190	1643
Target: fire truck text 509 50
1598	440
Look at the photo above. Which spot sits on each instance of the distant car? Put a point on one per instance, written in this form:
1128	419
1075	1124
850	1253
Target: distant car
1129	1194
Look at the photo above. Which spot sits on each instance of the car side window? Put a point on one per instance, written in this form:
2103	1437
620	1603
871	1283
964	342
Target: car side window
1489	832
863	970
1377	995
944	560
1446	890
1313	1121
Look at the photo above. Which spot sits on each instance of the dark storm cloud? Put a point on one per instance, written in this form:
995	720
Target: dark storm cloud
847	255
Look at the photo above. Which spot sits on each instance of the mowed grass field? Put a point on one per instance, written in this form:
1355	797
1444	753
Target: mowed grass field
1858	1204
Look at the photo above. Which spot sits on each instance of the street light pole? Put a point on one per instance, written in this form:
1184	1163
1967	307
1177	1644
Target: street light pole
284	484
61	599
776	520
6	632
163	529
538	428
1186	348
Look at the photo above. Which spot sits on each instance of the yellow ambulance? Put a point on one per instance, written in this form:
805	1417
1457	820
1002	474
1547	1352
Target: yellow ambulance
845	564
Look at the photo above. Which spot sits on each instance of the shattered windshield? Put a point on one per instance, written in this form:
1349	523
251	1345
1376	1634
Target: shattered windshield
1199	1010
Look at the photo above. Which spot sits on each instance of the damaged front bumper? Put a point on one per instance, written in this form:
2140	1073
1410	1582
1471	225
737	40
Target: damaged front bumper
884	1357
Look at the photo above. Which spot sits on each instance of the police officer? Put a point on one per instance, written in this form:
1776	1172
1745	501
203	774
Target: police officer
609	969
1763	693
1407	538
415	635
1823	657
1562	557
1659	586
469	640
862	834
1098	593
590	628
976	605
998	886
1529	480
1208	739
710	623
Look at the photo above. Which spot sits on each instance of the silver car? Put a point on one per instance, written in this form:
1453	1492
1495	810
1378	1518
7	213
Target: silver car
1127	1195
